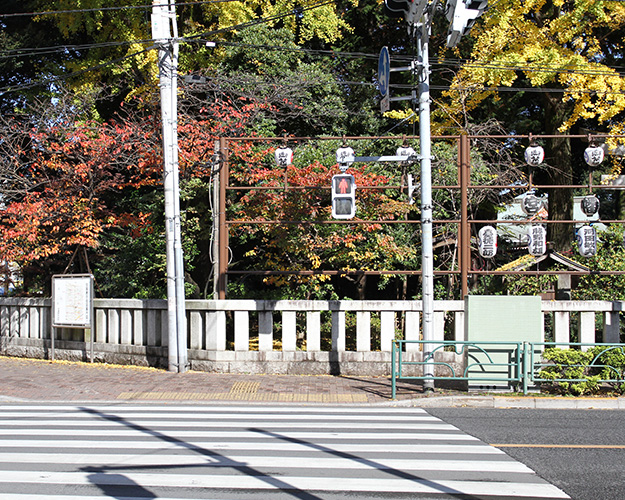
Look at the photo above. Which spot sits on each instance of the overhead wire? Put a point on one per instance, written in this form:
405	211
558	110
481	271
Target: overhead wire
208	33
107	9
330	53
57	78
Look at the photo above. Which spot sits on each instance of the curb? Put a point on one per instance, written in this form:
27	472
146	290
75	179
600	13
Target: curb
503	402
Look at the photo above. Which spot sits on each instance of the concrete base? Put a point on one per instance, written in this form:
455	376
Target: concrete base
371	363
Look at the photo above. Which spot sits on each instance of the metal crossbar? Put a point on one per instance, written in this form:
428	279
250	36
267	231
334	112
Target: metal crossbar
523	364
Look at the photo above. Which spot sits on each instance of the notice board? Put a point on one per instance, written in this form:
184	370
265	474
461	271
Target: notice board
72	300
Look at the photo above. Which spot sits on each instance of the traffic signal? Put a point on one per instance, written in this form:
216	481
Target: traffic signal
410	10
462	15
343	196
397	8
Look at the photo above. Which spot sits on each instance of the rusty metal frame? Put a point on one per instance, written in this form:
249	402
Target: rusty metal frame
464	232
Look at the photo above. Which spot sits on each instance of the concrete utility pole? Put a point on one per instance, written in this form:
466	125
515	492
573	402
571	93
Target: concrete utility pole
165	34
418	13
422	28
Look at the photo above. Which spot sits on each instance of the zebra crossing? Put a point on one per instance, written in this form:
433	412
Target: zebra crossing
169	452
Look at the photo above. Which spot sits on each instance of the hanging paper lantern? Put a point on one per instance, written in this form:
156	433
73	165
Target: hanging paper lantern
531	204
534	155
587	241
284	157
590	205
593	155
406	151
345	155
537	241
487	242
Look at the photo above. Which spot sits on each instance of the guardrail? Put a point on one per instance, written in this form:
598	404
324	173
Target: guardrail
516	364
482	362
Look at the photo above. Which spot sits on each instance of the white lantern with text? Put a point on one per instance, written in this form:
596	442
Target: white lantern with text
593	155
345	157
590	205
537	241
487	242
531	204
534	155
587	241
284	157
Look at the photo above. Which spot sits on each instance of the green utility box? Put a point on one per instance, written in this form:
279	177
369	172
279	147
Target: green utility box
499	325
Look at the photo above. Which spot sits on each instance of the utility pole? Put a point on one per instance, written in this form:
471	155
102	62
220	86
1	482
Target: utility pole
418	13
422	27
165	35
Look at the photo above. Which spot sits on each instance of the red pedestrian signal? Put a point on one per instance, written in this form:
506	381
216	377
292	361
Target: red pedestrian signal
343	196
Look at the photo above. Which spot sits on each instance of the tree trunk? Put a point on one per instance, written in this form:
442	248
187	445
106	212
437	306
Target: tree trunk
560	172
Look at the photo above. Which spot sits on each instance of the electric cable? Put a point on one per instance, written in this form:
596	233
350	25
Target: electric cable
47	81
106	9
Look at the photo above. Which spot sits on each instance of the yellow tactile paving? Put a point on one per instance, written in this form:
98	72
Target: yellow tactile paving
245	387
246	396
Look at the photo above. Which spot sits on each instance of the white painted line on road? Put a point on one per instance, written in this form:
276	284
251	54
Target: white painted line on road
157	444
215	461
311	484
230	423
247	434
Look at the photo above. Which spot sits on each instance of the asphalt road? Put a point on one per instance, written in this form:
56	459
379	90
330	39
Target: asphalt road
279	452
580	451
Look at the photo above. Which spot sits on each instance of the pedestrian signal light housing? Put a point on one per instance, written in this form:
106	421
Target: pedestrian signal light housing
461	15
343	196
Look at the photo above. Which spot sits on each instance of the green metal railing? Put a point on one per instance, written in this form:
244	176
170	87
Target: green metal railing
517	364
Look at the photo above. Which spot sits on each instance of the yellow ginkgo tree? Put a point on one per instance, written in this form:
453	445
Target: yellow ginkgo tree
568	49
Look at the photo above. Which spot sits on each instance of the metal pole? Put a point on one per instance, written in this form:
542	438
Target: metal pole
181	316
162	18
427	255
465	232
223	227
216	218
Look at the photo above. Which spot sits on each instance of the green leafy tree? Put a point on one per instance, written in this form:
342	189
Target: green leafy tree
567	49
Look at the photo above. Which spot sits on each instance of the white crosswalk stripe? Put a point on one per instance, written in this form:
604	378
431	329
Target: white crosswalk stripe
132	452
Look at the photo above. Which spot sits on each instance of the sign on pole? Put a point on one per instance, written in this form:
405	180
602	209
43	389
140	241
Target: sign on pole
384	73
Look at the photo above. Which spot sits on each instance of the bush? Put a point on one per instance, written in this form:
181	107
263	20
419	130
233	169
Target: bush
576	372
568	372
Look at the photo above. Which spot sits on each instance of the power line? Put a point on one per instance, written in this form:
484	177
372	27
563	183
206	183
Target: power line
48	81
223	30
329	53
263	20
38	51
106	9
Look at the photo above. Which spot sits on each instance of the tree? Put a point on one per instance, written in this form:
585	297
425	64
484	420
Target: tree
71	183
565	48
298	243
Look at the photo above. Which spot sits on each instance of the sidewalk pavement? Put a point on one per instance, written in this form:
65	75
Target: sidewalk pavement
31	380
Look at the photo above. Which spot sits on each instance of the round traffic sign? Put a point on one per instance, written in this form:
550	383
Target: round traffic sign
384	70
